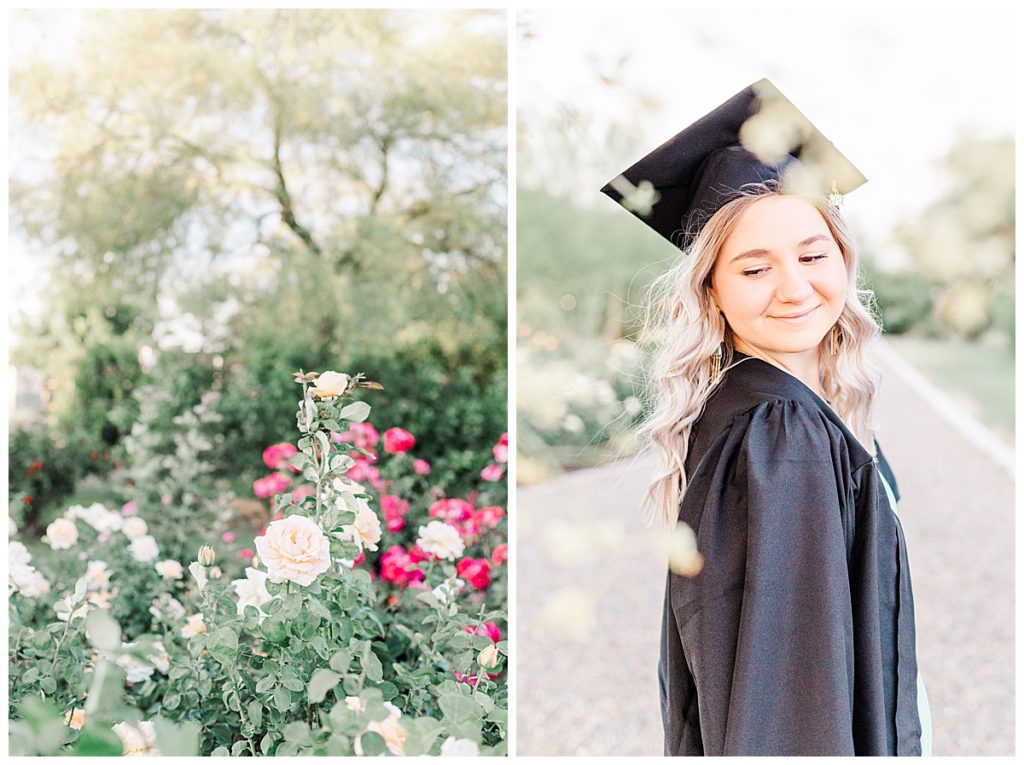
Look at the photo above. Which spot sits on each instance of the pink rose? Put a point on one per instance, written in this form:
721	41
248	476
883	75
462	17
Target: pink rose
500	449
397	440
277	456
361	434
451	509
394	509
500	554
129	508
476	571
398	567
421	467
487	628
246	554
302	491
490	516
470	679
227	537
275	483
364	471
165	499
492	473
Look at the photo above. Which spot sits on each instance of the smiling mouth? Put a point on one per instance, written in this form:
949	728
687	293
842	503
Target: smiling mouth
794	316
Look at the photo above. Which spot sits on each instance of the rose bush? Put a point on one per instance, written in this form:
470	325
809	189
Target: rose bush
369	618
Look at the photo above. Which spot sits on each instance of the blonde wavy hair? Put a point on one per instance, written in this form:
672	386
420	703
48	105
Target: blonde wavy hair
680	318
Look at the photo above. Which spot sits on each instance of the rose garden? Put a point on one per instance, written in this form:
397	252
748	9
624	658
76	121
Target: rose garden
367	616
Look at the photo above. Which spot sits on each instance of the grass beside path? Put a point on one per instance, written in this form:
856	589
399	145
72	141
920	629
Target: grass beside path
977	376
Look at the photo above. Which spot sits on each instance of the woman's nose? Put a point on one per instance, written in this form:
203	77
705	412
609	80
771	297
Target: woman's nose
793	286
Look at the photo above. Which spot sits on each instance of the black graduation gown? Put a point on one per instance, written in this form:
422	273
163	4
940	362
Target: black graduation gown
797	638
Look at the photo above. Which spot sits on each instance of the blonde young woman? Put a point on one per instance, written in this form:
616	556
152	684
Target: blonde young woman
797	636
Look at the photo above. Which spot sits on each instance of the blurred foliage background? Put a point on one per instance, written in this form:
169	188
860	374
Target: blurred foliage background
206	201
941	262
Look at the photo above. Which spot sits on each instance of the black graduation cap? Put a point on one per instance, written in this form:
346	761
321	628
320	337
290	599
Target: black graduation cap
756	136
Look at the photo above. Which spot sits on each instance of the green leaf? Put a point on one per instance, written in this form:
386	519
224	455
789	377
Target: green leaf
101	629
371	666
97	741
340	660
255	709
30	676
373	744
458	708
237	748
171	701
357	411
220	751
298	734
177	740
225	638
282	699
265	684
322	681
265	743
291	681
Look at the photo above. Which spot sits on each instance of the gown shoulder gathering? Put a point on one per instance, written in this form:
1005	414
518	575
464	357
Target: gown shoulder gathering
797	637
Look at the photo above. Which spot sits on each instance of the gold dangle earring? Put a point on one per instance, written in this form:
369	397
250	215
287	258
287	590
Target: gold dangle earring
716	363
716	357
834	340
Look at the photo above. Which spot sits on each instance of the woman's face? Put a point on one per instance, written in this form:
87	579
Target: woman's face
780	278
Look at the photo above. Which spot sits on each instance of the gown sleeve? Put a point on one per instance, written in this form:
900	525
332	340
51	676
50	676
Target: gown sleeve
766	628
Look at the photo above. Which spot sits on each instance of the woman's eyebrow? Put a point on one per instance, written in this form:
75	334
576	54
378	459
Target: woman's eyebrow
760	252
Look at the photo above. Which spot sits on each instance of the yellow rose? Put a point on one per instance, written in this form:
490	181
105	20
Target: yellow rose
75	718
330	384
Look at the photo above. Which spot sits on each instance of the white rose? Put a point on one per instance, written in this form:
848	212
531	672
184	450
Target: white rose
448	589
166	606
65	614
134	527
97	575
193	626
354	703
137	671
62	534
96	515
365	531
17	554
252	591
137	741
101	598
440	539
170	569
144	549
389	728
24	579
294	549
330	384
459	747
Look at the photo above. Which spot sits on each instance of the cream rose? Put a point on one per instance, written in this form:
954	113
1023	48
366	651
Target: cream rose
330	384
252	591
62	534
144	549
193	626
17	554
170	569
440	539
139	740
134	527
75	718
459	747
389	728
365	531
97	576
294	549
488	658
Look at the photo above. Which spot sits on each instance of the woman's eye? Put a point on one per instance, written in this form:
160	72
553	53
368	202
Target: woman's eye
755	271
811	258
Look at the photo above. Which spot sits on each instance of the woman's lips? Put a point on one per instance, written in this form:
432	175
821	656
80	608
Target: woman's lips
796	317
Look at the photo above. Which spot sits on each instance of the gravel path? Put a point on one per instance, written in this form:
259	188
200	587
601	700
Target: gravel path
590	593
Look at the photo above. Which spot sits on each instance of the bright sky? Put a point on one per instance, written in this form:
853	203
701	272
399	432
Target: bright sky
891	89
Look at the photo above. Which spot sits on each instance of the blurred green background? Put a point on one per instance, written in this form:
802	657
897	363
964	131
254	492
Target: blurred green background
934	226
203	202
